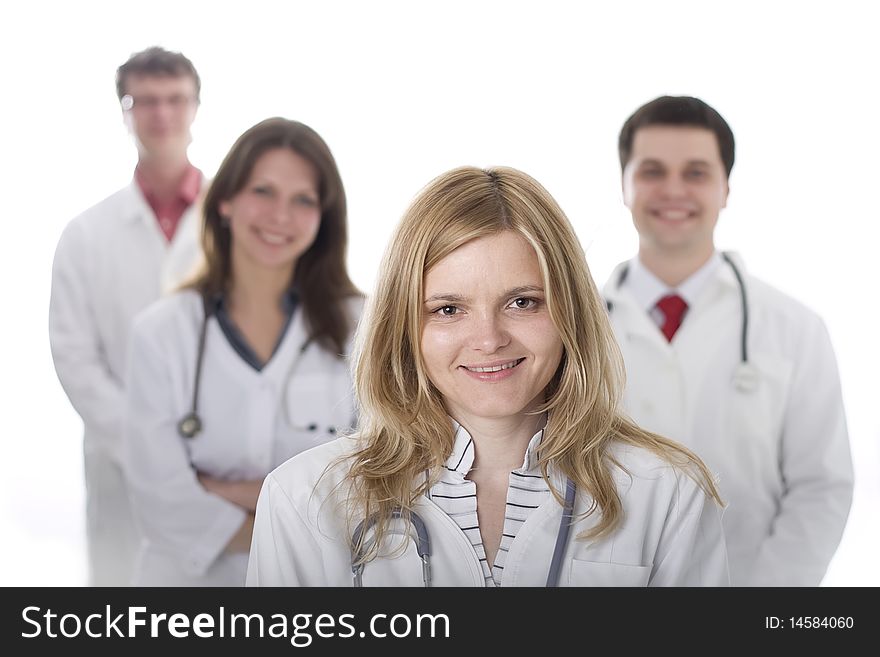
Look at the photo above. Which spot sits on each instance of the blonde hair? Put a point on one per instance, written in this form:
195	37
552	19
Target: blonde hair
404	426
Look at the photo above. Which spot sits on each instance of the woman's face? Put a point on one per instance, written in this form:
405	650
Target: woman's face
275	217
488	342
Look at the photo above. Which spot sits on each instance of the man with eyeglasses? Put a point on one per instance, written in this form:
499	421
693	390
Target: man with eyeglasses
112	261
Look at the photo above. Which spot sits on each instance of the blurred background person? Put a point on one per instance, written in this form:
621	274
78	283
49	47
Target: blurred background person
244	367
111	262
719	360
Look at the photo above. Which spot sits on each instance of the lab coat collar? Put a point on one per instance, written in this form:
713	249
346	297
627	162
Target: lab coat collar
138	209
630	319
616	293
724	273
461	460
131	208
187	190
721	283
289	351
613	288
648	289
625	310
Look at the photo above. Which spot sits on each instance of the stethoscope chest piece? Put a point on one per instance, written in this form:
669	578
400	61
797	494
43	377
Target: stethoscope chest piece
746	377
190	425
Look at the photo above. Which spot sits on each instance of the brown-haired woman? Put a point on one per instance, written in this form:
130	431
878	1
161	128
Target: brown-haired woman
245	366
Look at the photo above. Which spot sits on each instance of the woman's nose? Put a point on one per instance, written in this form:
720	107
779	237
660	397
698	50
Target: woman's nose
488	333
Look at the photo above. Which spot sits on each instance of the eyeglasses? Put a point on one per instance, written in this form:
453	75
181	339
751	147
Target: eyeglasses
176	102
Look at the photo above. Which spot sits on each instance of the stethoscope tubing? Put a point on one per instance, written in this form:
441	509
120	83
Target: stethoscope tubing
191	423
744	330
422	539
744	326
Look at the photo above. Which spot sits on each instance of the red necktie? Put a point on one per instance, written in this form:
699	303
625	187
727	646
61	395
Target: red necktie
672	307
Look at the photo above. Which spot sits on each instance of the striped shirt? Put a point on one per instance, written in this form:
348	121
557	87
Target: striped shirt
457	497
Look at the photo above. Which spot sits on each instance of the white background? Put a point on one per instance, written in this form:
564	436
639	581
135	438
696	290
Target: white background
403	91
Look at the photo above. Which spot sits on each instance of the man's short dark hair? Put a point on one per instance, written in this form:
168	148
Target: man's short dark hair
677	111
156	61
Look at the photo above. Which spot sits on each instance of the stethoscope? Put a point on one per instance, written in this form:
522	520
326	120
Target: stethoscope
423	542
190	425
746	376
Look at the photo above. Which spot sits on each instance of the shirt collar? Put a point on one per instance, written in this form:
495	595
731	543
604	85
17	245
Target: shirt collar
187	190
461	460
648	289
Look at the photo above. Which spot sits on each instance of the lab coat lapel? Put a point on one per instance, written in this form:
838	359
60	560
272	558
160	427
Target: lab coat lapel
703	317
178	262
630	320
139	212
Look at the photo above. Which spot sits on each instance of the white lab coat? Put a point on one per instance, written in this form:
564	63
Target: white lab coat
245	434
781	451
111	262
670	534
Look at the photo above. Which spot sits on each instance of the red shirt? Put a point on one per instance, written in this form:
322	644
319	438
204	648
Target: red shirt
168	213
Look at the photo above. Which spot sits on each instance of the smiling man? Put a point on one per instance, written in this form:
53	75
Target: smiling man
722	362
111	262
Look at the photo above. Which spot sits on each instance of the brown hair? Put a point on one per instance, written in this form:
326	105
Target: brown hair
156	61
678	111
321	276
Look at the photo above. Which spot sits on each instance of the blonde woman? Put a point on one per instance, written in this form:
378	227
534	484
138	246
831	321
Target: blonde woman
491	451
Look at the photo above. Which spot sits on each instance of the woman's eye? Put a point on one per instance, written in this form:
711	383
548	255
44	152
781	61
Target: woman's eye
524	303
306	201
262	191
446	311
